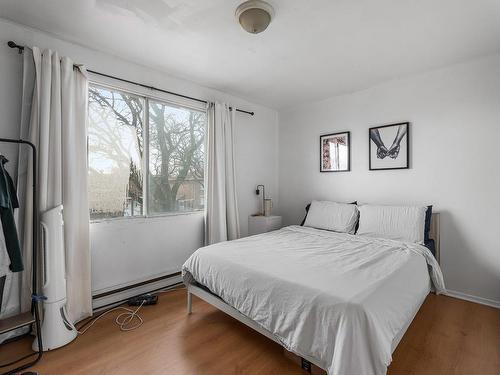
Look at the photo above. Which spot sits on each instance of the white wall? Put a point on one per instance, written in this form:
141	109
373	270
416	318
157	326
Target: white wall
455	161
126	251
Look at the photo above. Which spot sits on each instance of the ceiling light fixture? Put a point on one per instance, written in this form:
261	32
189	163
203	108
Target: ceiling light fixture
254	15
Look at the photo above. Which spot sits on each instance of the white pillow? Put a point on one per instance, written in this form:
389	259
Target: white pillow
401	223
338	217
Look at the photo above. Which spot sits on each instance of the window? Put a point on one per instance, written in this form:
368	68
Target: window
176	158
129	134
116	149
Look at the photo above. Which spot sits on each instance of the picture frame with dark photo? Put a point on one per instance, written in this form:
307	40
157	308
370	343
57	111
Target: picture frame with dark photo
335	152
389	146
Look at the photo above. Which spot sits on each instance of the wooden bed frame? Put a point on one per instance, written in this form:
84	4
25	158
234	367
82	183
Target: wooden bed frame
231	311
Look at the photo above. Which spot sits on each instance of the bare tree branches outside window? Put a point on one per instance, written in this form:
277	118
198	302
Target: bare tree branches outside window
117	150
176	158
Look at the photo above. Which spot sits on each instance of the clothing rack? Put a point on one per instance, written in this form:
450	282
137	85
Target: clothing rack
33	317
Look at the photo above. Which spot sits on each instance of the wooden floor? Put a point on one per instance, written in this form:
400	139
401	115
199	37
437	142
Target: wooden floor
448	336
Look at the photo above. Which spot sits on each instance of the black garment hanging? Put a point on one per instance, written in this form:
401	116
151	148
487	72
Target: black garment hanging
2	285
8	202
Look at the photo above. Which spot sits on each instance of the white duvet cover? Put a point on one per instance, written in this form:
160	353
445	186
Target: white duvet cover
338	298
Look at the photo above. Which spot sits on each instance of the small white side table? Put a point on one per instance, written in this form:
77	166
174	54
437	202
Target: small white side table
263	224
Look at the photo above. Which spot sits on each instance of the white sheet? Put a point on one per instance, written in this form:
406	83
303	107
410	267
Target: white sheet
335	297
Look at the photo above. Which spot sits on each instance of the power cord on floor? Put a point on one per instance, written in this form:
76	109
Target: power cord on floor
125	319
122	320
17	360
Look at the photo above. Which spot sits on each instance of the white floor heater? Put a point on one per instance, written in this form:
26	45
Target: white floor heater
56	330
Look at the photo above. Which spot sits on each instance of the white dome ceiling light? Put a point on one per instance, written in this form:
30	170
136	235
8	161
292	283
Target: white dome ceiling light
254	15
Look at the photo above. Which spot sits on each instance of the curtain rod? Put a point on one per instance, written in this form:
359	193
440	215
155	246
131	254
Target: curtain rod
20	50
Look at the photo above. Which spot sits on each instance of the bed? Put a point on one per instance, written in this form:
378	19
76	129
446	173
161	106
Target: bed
340	301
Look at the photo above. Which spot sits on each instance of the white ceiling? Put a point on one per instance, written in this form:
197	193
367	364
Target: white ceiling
312	50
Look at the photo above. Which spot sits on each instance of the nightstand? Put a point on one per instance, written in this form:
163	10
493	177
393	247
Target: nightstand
263	224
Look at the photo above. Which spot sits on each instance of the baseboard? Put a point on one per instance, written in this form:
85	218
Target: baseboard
122	295
475	299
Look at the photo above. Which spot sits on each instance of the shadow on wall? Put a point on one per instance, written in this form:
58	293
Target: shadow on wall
455	248
296	216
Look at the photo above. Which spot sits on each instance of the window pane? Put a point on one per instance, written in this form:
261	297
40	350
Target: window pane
176	158
116	148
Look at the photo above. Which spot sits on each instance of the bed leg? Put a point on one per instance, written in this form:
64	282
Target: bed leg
189	302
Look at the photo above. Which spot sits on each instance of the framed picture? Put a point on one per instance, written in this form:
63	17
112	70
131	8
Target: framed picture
389	146
335	152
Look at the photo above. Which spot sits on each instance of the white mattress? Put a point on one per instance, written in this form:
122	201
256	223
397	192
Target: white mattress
338	298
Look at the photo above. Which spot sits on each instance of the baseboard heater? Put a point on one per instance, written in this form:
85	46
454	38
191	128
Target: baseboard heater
118	295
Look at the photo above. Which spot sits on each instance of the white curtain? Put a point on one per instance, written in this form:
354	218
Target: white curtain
54	115
221	220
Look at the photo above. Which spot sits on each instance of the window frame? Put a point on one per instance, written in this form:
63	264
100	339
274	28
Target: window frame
168	99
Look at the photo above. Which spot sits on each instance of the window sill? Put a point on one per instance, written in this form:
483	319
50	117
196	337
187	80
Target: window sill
146	218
